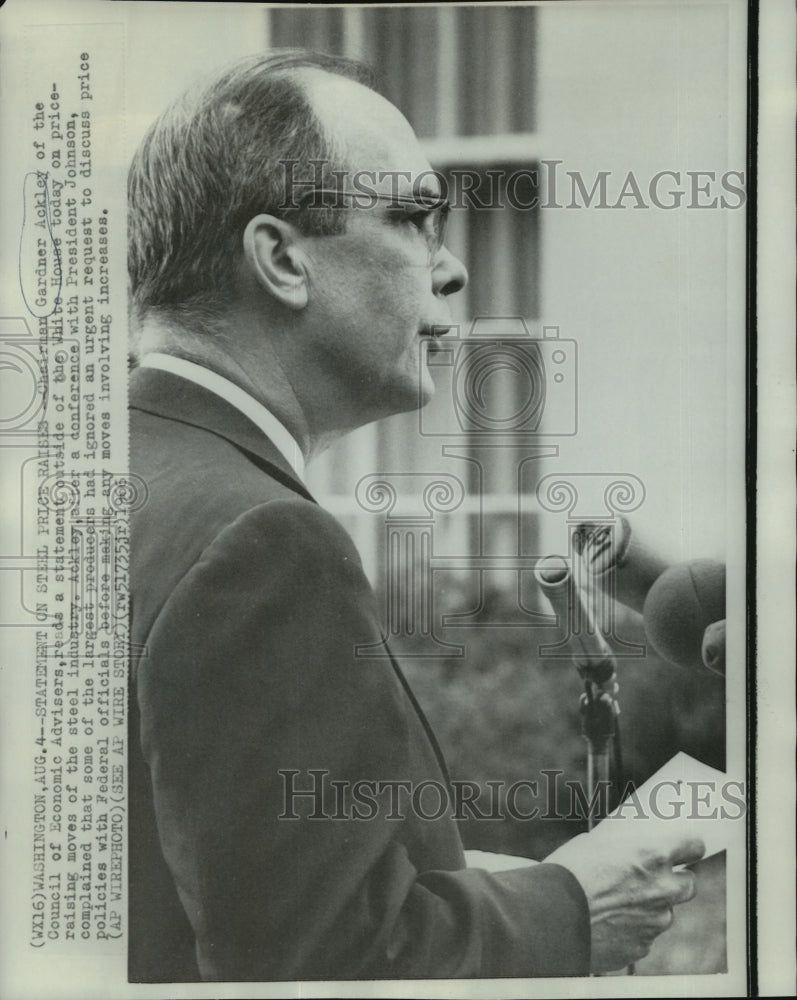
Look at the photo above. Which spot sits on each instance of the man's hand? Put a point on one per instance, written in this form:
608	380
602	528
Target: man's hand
630	886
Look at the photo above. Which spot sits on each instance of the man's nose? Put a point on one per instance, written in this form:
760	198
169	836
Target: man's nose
449	274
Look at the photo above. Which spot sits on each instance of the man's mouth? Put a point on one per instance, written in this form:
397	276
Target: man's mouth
436	331
431	341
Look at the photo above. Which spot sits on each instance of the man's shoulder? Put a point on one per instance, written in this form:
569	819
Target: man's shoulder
186	461
203	491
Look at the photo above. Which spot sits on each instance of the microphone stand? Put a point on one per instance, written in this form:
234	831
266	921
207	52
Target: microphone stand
598	704
599	710
594	662
592	657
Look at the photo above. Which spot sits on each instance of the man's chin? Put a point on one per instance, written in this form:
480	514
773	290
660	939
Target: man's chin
426	392
414	397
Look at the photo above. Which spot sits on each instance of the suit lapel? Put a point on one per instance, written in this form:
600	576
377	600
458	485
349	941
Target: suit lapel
167	395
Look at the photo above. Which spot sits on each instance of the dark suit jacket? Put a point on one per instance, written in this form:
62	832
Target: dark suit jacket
249	600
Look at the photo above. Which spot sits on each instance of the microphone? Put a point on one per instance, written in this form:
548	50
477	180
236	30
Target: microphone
684	615
617	561
590	650
683	606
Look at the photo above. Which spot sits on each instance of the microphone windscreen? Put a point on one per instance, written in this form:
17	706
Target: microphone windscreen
680	606
714	647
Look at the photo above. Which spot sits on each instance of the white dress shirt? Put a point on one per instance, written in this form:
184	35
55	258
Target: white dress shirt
275	431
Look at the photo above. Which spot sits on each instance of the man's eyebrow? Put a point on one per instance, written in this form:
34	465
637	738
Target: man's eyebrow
424	197
428	191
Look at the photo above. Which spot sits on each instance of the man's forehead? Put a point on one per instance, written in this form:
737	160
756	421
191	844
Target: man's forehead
374	135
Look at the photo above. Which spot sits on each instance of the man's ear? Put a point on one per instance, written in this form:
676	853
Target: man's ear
275	261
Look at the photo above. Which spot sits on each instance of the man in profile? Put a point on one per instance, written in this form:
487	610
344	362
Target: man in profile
267	322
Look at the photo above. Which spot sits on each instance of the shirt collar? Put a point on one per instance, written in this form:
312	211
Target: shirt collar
263	418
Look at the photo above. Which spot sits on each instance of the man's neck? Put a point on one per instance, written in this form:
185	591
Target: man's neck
255	411
260	374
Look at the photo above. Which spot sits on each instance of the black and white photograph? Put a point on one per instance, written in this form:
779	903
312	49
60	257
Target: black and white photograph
397	537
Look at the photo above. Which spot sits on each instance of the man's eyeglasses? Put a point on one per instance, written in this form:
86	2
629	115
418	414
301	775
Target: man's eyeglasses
429	214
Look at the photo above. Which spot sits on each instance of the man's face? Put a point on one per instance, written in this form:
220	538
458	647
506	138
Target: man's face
374	288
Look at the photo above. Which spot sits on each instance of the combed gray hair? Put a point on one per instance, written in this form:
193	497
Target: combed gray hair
213	160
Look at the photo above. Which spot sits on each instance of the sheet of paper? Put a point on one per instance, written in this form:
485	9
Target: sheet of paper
687	799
